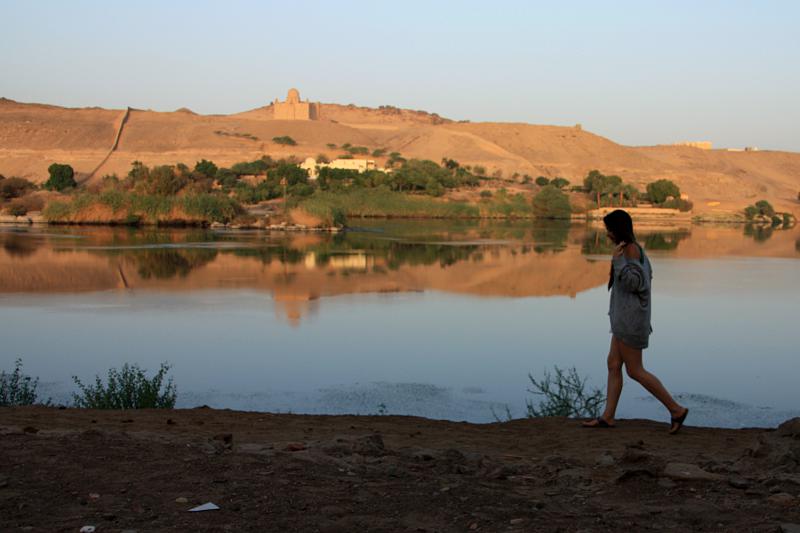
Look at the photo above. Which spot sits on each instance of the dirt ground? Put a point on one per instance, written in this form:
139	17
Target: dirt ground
62	469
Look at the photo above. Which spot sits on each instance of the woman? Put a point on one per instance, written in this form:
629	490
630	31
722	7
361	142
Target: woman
629	310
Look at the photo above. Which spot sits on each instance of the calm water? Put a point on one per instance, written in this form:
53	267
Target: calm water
442	320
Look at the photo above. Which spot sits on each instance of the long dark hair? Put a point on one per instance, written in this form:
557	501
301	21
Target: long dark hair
619	223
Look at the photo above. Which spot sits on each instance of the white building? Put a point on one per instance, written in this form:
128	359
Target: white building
359	165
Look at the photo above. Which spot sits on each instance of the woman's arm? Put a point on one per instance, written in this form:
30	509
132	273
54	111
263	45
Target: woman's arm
628	274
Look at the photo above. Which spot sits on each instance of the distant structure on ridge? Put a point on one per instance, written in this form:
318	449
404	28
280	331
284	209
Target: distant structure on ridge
294	108
703	145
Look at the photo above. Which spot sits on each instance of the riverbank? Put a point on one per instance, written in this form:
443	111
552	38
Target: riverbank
143	470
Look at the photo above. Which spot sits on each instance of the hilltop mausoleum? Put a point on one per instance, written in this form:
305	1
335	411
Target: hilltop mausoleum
294	108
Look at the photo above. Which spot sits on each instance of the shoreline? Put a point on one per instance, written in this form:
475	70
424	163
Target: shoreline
281	472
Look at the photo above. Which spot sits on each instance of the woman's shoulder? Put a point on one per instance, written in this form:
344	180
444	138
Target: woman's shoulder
632	251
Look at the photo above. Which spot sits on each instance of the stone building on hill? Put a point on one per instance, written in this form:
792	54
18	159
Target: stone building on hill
294	108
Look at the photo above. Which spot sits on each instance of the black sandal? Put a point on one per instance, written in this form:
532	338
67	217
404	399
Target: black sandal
601	424
679	421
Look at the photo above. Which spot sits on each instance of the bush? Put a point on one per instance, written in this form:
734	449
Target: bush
765	208
551	203
14	187
559	183
678	203
486	193
61	177
658	191
564	394
127	388
17	209
285	140
206	168
164	181
379	152
211	207
16	388
541	181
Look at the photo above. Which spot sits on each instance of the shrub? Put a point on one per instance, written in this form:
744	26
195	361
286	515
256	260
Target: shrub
16	388
486	193
379	152
564	394
765	208
164	181
678	203
479	171
559	182
17	209
358	150
206	168
285	140
658	191
14	187
331	146
211	207
61	177
551	203
541	181
128	388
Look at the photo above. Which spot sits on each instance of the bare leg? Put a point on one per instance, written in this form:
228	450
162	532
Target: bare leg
614	388
632	357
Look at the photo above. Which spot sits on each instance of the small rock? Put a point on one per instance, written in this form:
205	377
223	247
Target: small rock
667	483
94	496
295	447
605	459
181	499
783	499
87	529
738	483
473	526
515	521
689	472
30	429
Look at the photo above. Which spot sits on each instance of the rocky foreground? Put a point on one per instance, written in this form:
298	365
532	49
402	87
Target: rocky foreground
63	469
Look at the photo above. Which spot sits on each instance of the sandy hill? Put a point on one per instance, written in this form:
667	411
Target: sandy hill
32	136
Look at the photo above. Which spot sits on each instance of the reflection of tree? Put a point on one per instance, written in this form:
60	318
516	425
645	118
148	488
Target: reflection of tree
551	237
165	263
664	241
797	246
18	245
403	253
595	241
759	233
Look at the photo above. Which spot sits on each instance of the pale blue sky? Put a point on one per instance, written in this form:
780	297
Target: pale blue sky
638	72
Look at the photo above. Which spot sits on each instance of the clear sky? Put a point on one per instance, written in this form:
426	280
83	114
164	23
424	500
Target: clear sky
638	72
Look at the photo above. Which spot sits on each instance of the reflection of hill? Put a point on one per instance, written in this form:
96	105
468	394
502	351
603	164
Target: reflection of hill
299	270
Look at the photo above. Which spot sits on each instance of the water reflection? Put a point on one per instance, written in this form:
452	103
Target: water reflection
510	259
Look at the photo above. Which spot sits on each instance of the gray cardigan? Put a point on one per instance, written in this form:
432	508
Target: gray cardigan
630	305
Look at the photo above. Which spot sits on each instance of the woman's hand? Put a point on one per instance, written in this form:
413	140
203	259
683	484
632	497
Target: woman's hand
619	249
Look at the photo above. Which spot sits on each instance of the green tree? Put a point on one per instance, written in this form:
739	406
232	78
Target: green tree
658	191
551	203
559	182
206	168
541	181
765	208
61	177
